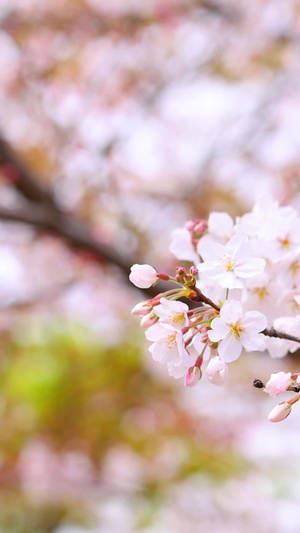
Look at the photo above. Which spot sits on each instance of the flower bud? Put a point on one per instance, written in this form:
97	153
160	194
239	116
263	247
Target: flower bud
216	370
280	412
143	276
141	309
192	376
149	320
201	227
278	383
190	224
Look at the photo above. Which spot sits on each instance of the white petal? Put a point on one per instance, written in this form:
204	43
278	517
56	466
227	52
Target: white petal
181	245
228	280
210	250
238	248
220	224
253	342
156	332
219	330
253	266
231	312
254	322
230	348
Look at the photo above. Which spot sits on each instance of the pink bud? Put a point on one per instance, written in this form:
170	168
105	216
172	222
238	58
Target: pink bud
143	276
149	320
194	271
280	412
190	224
141	309
201	227
216	370
278	383
192	376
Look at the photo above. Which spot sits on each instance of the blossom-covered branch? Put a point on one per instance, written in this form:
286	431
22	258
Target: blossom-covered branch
242	265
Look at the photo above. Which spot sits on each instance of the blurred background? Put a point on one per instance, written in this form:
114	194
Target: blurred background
119	120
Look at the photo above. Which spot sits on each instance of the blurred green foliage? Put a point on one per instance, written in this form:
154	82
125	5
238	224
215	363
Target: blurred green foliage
63	387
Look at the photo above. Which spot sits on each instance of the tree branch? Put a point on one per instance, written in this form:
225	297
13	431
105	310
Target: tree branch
45	214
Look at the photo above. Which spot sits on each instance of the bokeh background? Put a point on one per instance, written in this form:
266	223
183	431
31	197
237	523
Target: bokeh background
119	120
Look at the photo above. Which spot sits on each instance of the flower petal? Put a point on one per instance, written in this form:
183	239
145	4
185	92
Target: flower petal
219	330
231	312
230	348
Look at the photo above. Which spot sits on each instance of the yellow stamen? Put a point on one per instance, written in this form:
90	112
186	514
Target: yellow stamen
294	268
285	243
171	340
261	292
177	319
228	263
236	329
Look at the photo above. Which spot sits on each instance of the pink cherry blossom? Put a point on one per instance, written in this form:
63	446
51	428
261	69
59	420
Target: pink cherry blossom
278	383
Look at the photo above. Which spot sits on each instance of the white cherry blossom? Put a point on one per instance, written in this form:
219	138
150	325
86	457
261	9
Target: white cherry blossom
221	226
266	218
143	276
173	313
181	245
229	264
216	370
235	330
168	347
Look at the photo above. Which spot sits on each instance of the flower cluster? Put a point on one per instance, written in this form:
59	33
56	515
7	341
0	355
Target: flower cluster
246	278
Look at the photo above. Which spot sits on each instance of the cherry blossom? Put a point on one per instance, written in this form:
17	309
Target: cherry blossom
173	313
168	347
229	264
278	383
248	290
182	246
216	370
143	276
221	226
237	330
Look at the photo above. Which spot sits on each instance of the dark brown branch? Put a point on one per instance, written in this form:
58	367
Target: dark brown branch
200	297
23	178
277	334
65	226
